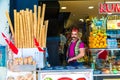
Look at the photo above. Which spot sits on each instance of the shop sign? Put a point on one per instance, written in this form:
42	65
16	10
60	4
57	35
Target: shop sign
113	22
105	8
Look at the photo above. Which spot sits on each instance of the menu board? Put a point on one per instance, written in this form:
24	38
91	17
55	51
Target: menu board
113	22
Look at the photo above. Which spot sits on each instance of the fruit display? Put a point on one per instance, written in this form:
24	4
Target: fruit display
98	36
97	40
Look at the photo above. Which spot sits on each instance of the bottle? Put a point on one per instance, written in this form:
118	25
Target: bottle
93	63
110	67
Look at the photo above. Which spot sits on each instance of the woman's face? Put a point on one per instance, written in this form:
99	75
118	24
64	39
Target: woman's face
74	35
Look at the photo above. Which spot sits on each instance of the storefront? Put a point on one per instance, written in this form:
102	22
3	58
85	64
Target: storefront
26	55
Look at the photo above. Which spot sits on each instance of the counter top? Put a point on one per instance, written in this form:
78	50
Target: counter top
118	74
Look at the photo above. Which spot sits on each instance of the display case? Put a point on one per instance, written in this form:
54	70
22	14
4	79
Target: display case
30	75
104	40
107	64
23	65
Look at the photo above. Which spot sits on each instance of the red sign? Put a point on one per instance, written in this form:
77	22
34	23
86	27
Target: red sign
118	24
105	8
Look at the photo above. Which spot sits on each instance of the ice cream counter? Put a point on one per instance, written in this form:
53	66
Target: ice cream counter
65	73
74	73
